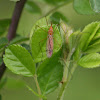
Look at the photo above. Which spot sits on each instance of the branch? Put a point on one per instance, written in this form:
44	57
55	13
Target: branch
13	27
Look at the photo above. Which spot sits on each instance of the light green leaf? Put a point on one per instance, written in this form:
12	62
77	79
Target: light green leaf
83	7
90	61
88	34
4	23
39	35
19	61
50	73
32	7
3	42
95	4
55	18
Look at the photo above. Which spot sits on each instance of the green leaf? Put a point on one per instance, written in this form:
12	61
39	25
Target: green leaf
4	23
93	48
26	46
50	73
74	40
88	34
90	61
19	61
32	7
18	39
39	35
14	83
3	82
95	4
97	34
55	18
83	7
3	42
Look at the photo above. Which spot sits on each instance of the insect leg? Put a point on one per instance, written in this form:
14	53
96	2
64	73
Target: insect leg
41	47
41	28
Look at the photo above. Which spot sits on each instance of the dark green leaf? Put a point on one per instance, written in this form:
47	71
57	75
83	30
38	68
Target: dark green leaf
93	48
3	82
3	42
55	18
50	73
83	7
88	34
4	23
95	4
19	61
39	35
26	46
97	34
32	7
91	60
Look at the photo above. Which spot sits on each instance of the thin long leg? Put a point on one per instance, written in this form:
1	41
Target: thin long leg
47	21
57	42
41	48
41	28
55	28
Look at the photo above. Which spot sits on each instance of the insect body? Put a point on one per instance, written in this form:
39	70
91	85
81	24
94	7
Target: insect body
50	42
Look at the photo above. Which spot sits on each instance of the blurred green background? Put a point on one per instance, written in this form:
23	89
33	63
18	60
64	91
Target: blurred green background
85	83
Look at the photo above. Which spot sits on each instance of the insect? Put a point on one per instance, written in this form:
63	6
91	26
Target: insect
50	38
46	40
50	42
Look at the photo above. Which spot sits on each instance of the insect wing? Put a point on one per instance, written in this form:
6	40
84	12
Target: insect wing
49	46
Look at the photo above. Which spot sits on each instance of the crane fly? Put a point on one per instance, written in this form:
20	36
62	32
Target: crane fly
50	42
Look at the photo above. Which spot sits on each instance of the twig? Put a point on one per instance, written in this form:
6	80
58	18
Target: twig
13	27
37	85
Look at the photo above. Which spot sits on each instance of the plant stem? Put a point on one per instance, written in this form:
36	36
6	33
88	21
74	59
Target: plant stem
13	27
37	85
66	79
57	7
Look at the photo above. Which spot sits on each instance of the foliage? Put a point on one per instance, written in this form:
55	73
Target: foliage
19	61
32	7
70	49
